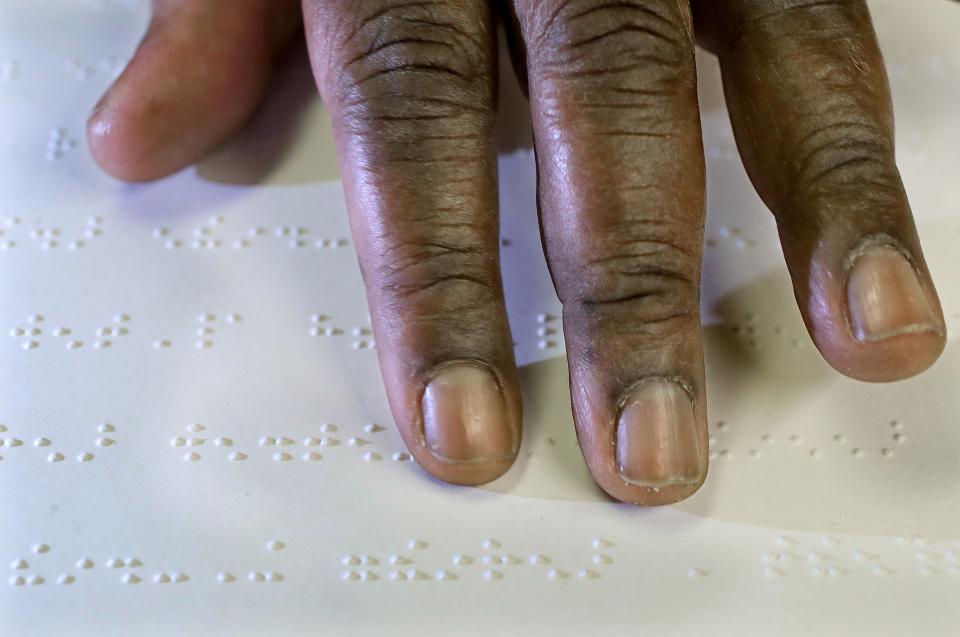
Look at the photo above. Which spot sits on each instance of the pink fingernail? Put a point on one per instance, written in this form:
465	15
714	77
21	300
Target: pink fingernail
465	417
657	443
885	297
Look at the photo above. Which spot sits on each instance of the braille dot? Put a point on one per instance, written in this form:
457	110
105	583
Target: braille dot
223	442
65	579
30	345
696	573
273	576
491	544
86	456
17	331
887	452
445	575
401	456
115	562
857	453
19	564
35	580
462	560
171	244
191	457
282	457
105	442
370	576
491	560
372	428
204	344
350	560
371	456
772	571
41	442
327	427
237	456
17	580
586	573
84	563
899	438
814	453
133	562
102	344
233	318
13	442
357	442
556	574
161	344
492	575
600	543
602	559
880	570
539	559
204	331
178	441
416	545
56	456
225	578
268	441
399	560
275	545
896	424
195	442
105	428
179	578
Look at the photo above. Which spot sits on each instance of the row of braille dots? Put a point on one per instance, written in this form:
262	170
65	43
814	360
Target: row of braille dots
80	70
281	444
931	562
362	335
752	333
730	233
22	578
205	332
492	558
897	437
32	332
49	238
818	563
84	563
204	237
56	456
59	143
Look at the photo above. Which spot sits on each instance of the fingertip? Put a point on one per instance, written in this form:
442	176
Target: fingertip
118	139
892	327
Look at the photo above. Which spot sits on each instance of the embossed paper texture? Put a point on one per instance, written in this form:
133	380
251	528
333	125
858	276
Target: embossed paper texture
195	437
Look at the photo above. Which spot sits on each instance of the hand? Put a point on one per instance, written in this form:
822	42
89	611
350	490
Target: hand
410	85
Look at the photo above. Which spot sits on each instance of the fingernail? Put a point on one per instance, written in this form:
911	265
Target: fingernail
465	416
885	297
657	443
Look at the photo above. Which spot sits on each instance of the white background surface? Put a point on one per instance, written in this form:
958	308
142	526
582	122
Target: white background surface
832	506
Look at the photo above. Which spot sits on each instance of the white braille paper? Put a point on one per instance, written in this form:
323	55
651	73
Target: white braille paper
194	437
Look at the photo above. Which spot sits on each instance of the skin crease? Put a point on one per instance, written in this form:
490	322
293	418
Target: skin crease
411	88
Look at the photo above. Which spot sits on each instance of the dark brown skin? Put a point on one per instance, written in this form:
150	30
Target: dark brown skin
410	85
